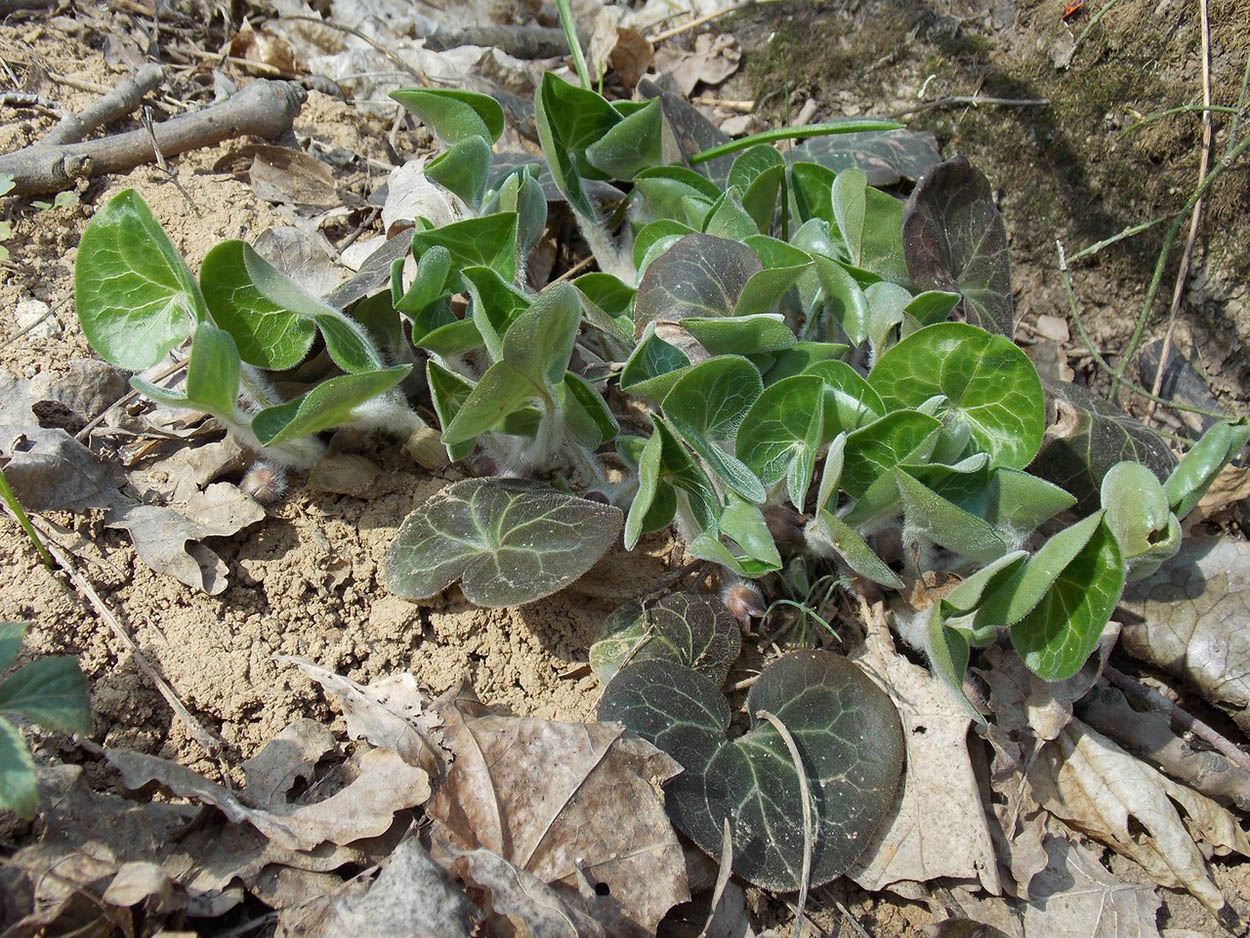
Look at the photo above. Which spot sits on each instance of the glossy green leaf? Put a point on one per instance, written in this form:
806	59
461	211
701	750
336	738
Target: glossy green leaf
783	426
494	304
873	451
487	241
1138	513
433	267
811	186
135	297
954	240
1061	631
845	302
653	367
568	120
50	691
691	629
828	706
630	146
728	219
700	275
706	405
464	170
213	371
740	540
509	542
932	306
850	401
986	379
783	265
798	357
831	474
454	115
336	402
1194	474
679	468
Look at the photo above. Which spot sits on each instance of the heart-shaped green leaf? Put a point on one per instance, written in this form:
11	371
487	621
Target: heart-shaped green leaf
783	427
427	286
509	541
1139	515
740	540
464	170
653	367
630	146
136	299
487	241
850	401
873	451
728	219
212	376
454	115
829	707
692	629
50	691
568	120
757	174
986	380
700	275
1056	637
954	240
448	392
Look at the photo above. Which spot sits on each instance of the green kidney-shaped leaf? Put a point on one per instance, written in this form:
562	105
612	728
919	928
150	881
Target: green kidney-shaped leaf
850	744
630	146
50	691
700	275
783	426
135	297
693	629
464	170
873	451
454	115
653	367
1058	635
954	240
986	379
336	402
509	541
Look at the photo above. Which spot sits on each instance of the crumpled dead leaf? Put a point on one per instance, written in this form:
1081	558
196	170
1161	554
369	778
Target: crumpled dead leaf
526	905
412	897
1230	487
86	388
302	255
188	470
938	828
411	195
622	49
383	784
713	59
48	469
1189	619
1148	734
1075	897
264	46
285	175
1102	791
391	712
566	802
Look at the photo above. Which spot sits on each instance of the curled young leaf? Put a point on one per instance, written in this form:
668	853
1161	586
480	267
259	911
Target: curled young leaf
509	541
454	115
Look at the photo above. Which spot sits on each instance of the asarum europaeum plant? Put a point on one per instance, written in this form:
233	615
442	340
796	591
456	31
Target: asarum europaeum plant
765	360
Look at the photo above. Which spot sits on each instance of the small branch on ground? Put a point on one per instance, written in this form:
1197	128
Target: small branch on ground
972	100
262	109
27	99
119	102
523	42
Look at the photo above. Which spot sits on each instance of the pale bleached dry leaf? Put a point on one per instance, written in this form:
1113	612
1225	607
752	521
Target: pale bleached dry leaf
365	807
61	892
1190	619
547	796
85	388
1075	897
169	539
1148	734
138	882
622	49
189	469
1231	486
302	255
938	828
1102	791
713	59
410	195
263	46
412	897
343	474
1019	821
286	760
526	905
391	712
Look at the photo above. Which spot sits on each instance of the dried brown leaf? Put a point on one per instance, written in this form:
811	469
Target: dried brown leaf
365	807
1102	791
939	827
549	796
1075	897
283	175
1190	619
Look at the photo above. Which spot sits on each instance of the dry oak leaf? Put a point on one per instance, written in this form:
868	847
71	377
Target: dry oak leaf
1075	897
938	828
1190	619
1099	789
566	801
412	897
365	807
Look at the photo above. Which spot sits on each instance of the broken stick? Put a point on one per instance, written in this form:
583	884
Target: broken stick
263	109
117	103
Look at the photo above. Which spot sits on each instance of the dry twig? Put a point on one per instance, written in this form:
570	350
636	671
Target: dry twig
263	109
117	103
972	100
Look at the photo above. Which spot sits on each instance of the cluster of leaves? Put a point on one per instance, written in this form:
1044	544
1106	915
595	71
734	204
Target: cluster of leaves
136	300
50	691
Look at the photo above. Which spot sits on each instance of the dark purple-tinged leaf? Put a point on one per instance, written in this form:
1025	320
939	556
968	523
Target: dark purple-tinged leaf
886	156
1088	436
510	541
700	275
850	743
692	629
954	240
